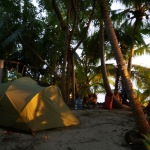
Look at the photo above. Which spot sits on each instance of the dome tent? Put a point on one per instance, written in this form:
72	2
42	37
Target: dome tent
27	106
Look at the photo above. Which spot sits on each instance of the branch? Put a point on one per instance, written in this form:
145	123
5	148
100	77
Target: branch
41	59
75	20
58	13
87	27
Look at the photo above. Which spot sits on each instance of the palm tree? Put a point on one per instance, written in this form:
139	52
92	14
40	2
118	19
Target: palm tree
87	66
133	20
142	78
131	24
138	113
107	87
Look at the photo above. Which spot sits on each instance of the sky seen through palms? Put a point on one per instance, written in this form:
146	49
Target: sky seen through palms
142	60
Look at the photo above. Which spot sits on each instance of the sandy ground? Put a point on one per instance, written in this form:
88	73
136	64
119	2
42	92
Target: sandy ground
100	129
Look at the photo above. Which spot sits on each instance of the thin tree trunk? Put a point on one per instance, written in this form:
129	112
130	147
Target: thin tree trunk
65	84
73	80
87	27
69	69
65	56
103	66
130	60
138	113
1	70
116	102
117	81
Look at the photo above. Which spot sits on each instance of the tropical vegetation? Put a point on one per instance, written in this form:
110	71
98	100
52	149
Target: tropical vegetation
68	43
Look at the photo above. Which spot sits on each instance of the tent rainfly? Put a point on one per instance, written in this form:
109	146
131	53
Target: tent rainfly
27	106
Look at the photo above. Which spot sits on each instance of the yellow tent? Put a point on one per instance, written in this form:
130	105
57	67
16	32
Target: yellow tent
27	106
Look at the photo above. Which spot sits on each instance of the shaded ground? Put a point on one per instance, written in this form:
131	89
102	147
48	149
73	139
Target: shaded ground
100	129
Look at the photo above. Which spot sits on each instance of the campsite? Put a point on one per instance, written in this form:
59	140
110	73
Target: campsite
36	117
68	79
99	129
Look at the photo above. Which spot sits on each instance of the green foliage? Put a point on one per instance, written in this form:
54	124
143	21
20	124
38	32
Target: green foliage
26	30
12	75
142	76
146	141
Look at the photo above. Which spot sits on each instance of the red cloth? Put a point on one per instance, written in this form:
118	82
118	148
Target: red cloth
108	101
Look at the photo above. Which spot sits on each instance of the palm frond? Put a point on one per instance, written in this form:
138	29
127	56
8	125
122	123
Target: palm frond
142	50
13	37
119	15
144	95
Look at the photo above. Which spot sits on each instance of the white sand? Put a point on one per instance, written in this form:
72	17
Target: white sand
100	129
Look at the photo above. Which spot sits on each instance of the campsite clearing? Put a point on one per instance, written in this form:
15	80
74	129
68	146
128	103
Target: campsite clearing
99	129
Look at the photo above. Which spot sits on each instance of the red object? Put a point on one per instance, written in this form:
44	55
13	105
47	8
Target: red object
108	101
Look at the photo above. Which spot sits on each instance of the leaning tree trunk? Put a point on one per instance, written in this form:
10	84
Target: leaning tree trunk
138	113
103	65
116	102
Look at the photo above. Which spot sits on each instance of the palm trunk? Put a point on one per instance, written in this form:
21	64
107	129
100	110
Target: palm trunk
116	102
117	81
66	77
69	69
73	79
130	60
65	57
103	66
138	113
1	70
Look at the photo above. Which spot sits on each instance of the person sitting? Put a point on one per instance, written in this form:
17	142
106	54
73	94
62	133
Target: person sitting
93	99
86	102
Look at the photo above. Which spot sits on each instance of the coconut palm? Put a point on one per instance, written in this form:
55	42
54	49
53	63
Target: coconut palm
142	79
107	87
133	21
138	113
131	25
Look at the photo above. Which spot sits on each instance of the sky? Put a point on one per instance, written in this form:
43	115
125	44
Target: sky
142	60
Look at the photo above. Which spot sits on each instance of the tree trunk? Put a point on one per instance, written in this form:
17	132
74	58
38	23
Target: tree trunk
66	77
117	81
138	113
65	56
69	70
103	66
116	102
130	60
73	79
1	70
